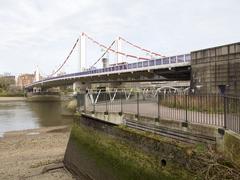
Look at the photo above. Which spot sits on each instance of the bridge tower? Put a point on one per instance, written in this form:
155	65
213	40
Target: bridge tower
82	52
119	49
37	74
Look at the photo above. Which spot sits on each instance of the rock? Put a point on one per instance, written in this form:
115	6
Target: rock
72	105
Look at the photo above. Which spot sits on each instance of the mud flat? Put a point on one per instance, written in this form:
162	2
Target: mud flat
12	99
34	154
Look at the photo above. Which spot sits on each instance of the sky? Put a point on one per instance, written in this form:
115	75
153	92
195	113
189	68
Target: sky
42	32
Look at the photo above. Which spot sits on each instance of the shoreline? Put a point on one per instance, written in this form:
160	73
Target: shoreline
12	99
35	131
26	153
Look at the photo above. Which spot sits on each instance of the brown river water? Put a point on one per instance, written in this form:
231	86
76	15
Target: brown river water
21	115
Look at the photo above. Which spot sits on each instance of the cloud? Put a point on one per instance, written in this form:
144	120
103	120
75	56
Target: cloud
41	32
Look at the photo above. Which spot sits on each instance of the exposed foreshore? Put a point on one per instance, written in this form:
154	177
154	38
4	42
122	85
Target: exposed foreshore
27	154
12	99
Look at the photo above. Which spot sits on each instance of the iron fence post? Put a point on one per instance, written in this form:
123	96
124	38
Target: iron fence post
106	112
225	111
186	106
121	94
94	107
137	104
175	101
85	102
158	106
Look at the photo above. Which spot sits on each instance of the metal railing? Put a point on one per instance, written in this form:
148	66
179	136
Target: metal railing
209	109
127	66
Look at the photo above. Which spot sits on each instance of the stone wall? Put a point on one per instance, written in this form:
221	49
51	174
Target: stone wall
216	66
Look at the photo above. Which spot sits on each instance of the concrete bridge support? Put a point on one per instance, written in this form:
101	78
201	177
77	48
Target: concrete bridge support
37	89
216	67
80	89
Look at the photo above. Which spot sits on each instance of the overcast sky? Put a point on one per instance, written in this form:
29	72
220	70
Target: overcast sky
42	32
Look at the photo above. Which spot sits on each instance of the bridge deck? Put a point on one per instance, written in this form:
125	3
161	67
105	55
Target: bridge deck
148	65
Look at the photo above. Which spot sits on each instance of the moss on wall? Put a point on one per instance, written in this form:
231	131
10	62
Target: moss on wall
119	159
232	147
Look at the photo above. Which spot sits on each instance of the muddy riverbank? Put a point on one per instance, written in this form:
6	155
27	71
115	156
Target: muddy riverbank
27	154
12	98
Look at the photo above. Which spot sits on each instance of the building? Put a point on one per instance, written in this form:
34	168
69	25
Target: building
25	79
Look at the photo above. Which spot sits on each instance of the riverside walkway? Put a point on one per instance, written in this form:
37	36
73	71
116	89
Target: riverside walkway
211	110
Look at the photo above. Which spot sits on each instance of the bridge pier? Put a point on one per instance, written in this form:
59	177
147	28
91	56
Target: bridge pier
37	89
80	87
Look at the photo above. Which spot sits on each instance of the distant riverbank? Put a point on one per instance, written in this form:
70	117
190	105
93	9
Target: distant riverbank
12	98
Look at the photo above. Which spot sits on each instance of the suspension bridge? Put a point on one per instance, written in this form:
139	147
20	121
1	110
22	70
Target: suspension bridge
185	117
127	68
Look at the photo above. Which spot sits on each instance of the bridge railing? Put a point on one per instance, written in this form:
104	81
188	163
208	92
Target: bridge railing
210	109
128	66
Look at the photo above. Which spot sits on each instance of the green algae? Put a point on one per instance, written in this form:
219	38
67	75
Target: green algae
232	148
157	137
121	159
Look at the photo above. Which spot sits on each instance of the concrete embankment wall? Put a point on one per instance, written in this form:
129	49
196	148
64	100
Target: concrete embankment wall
231	147
102	150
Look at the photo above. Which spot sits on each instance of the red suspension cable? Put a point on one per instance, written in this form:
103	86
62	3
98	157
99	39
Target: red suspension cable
117	52
107	49
60	67
138	47
104	53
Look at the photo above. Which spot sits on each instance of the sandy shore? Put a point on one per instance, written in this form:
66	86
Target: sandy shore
30	154
12	99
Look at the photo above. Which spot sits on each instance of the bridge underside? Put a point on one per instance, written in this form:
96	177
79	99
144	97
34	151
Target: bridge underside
173	74
167	74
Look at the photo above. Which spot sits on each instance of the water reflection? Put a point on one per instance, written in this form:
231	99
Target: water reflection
19	115
49	113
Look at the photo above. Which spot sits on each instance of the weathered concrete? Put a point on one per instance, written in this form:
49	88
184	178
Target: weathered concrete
72	105
231	144
198	132
114	118
102	150
216	66
223	138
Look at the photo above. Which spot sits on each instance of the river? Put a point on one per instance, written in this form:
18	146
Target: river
21	115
